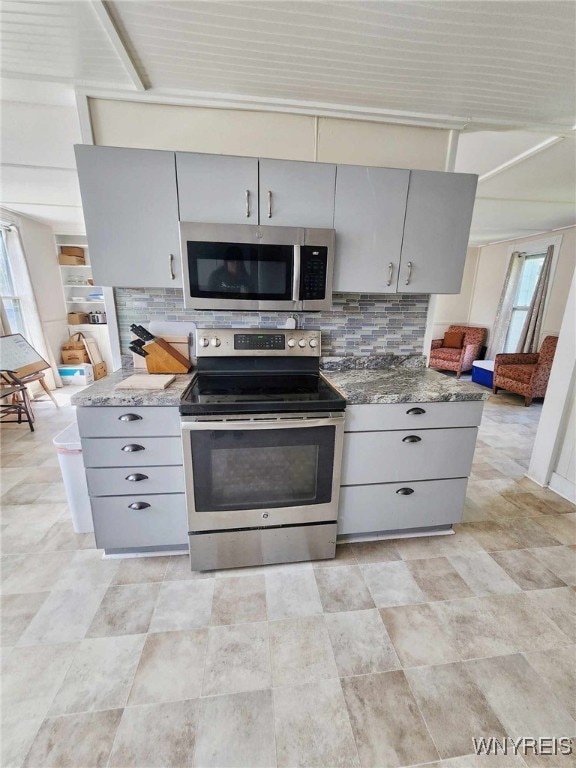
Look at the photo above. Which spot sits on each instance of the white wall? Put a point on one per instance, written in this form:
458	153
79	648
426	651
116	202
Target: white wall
266	134
552	459
42	260
491	273
454	309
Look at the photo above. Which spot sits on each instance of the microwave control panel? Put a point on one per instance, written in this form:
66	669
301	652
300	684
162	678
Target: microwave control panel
314	265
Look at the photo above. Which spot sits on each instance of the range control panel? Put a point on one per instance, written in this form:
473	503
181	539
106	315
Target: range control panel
235	342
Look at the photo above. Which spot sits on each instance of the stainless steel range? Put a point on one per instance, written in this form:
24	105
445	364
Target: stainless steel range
262	435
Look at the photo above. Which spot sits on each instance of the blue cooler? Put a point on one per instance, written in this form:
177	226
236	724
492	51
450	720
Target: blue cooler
483	372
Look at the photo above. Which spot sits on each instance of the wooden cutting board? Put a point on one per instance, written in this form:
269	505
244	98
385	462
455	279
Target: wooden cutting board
146	381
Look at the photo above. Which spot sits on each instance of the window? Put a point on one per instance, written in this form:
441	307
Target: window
11	302
531	268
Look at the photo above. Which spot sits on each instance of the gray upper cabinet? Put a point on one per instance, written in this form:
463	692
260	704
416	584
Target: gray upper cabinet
369	222
297	194
436	231
131	213
217	189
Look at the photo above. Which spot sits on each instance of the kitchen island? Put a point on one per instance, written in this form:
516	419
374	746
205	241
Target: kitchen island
408	449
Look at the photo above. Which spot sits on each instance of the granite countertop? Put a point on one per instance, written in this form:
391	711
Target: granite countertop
102	392
386	380
402	384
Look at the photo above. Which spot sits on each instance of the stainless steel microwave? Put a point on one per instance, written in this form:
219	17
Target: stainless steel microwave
248	267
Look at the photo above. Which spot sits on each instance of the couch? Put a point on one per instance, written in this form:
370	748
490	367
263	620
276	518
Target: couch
458	359
525	373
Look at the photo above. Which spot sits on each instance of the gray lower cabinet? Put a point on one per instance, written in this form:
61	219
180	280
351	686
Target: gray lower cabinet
382	457
377	508
406	466
161	523
130	206
133	460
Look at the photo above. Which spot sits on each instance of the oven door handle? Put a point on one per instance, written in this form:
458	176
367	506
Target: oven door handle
195	426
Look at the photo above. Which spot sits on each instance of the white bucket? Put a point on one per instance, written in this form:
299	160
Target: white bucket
69	449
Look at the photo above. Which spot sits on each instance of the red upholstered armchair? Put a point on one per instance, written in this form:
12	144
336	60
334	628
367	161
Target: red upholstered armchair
525	373
454	359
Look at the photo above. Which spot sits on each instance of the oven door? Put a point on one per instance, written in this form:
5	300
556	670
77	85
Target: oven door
260	471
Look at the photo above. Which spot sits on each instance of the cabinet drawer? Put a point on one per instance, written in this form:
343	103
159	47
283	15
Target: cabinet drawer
368	508
145	452
115	421
374	417
115	482
163	523
425	454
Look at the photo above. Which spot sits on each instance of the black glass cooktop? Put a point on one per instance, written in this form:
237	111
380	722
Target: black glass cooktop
211	393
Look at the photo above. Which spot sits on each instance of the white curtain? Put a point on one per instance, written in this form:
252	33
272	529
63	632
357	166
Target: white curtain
530	336
25	292
505	305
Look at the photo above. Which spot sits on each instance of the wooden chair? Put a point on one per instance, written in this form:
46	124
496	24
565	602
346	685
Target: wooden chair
39	377
22	364
19	403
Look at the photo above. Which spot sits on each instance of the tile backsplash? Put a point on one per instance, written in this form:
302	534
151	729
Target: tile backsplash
357	324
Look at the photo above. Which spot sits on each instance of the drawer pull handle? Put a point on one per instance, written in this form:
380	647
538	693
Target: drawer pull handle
415	411
139	505
405	491
135	478
133	447
411	439
129	417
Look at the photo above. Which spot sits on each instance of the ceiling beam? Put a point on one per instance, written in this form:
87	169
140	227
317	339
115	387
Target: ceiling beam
521	157
101	9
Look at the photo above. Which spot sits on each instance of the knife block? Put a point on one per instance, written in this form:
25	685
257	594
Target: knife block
163	358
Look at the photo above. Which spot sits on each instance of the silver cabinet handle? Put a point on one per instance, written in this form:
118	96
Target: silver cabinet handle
409	273
247	203
411	439
269	203
136	477
132	448
405	491
139	505
390	273
415	411
171	264
129	417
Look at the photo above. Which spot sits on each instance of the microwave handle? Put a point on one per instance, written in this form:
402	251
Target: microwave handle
296	275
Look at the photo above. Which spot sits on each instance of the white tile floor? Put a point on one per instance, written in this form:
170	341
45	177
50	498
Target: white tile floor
395	654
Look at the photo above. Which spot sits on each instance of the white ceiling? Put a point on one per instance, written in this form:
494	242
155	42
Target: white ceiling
502	69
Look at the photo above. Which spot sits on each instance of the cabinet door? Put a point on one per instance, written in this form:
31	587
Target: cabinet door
131	214
369	221
297	194
388	506
436	231
217	189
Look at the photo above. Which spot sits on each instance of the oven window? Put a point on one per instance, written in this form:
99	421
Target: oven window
258	469
240	271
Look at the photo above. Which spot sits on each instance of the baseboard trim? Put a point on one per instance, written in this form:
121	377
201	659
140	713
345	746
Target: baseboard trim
563	487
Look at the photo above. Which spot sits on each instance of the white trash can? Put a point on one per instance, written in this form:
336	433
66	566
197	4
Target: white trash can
69	449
